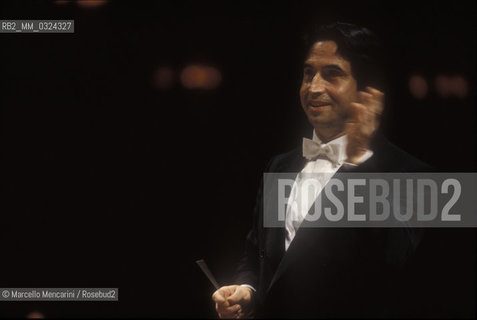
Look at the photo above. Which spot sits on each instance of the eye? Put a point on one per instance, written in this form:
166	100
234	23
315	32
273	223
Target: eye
332	73
308	73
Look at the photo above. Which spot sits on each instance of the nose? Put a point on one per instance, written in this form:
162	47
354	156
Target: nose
317	86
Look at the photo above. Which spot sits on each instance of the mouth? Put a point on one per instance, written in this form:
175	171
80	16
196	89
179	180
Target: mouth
318	105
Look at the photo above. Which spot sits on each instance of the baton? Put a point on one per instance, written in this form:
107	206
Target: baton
206	271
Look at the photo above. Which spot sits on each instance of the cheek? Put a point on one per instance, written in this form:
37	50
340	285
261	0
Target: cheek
352	91
334	93
303	92
346	95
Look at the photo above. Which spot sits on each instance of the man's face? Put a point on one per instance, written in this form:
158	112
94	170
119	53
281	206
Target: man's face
328	88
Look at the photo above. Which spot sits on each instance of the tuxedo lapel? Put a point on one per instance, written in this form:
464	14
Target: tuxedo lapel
295	163
275	237
289	256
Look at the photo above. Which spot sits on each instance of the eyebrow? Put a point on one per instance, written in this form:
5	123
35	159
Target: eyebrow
328	66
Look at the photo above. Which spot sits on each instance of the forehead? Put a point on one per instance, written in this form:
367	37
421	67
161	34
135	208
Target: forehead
325	52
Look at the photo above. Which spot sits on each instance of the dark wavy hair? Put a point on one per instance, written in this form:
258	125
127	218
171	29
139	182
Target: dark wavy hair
359	45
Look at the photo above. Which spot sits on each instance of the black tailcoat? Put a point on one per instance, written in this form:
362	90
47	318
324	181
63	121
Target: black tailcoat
334	272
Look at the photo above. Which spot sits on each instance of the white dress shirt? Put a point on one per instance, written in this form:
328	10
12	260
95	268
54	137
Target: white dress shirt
318	173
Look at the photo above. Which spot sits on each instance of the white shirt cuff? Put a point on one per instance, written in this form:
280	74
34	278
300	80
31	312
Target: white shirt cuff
248	286
368	154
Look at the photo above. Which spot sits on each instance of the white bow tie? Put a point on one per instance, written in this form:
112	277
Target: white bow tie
313	149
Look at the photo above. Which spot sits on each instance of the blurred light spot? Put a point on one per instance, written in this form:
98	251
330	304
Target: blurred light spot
200	77
418	86
164	77
443	86
61	2
459	86
91	3
35	315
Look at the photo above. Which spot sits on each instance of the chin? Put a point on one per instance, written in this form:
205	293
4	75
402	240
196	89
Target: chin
320	120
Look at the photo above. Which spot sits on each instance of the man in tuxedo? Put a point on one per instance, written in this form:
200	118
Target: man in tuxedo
331	272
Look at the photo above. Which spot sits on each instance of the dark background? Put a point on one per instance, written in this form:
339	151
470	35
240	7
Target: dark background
109	181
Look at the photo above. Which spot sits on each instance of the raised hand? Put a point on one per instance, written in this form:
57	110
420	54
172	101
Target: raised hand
363	122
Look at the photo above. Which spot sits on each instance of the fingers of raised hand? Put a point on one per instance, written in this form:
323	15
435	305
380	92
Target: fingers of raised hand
375	92
375	99
361	122
357	112
369	101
